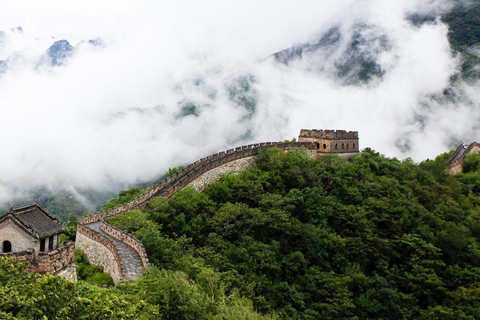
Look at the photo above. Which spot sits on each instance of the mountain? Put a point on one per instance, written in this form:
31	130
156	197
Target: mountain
349	57
59	51
55	56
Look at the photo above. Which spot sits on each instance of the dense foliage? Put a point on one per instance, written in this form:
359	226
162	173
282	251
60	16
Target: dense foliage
375	238
160	294
464	25
27	295
464	34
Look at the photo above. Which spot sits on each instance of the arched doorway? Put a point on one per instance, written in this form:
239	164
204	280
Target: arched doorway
7	246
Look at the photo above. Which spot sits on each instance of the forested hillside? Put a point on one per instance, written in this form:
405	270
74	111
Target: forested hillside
291	237
376	238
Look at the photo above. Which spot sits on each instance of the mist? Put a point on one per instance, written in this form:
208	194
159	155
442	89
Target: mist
171	83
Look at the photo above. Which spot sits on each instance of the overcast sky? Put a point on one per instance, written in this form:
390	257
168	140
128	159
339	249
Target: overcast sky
110	115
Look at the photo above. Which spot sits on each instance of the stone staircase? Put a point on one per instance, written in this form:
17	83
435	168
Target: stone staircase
132	264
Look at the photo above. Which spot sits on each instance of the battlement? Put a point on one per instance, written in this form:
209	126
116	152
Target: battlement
331	141
328	134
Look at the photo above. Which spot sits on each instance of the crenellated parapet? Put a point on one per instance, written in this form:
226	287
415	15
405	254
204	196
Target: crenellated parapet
128	239
101	251
328	134
53	262
332	141
455	161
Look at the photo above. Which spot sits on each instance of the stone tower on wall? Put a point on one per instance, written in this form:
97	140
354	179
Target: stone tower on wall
341	142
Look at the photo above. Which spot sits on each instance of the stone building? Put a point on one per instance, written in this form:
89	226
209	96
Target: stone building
32	235
344	143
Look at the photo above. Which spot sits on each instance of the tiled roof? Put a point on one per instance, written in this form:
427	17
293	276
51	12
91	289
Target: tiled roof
37	219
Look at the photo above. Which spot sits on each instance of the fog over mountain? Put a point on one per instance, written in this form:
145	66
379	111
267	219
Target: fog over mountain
106	95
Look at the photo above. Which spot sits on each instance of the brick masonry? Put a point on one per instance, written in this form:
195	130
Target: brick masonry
19	239
100	255
456	166
60	261
236	166
129	240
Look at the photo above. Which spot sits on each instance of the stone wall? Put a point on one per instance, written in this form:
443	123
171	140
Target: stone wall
100	251
60	261
236	166
20	240
455	166
331	141
22	256
127	239
56	262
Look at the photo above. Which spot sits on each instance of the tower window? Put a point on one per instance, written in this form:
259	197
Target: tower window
324	146
336	146
42	245
353	146
318	145
50	243
343	146
347	146
7	246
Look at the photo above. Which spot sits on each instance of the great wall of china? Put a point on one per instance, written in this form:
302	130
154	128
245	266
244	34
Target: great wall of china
122	255
455	161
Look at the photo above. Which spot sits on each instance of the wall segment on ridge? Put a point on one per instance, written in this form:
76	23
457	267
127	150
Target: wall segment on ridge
100	251
455	161
235	166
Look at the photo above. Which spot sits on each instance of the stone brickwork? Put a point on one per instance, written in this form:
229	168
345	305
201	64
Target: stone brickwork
100	251
59	261
236	166
332	141
130	240
20	240
22	256
455	161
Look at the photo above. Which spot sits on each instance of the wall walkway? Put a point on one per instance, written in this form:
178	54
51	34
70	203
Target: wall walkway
455	161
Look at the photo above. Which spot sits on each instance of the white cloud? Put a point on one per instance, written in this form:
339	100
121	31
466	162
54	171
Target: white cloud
110	115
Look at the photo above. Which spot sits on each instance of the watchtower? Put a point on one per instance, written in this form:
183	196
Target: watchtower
332	141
